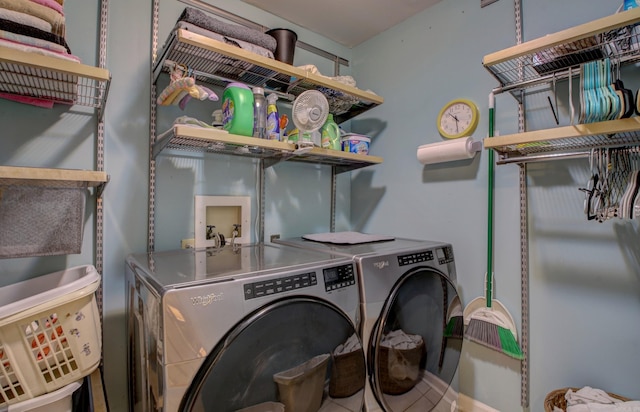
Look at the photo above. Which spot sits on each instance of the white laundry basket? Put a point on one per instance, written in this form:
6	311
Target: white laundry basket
49	333
56	401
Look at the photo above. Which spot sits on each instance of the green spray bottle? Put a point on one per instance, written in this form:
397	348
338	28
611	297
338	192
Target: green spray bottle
330	133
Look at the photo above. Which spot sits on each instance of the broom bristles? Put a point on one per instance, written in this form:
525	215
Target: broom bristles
455	328
494	337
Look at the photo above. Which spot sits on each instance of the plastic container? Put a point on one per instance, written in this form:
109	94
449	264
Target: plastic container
355	143
259	113
57	401
273	119
301	387
330	134
285	44
49	333
237	109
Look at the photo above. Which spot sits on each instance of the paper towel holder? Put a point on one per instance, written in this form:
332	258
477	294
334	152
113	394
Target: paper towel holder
448	151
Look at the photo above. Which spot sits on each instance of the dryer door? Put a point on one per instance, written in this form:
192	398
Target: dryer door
415	346
283	353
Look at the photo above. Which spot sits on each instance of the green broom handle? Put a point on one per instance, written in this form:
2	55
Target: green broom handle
490	209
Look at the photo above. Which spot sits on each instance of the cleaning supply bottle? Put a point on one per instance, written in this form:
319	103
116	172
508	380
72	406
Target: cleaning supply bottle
273	120
330	134
630	4
237	109
259	113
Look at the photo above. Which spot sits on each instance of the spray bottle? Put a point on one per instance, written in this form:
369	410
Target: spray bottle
273	120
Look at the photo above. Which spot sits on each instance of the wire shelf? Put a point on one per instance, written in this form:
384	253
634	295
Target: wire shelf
204	140
217	63
541	59
61	81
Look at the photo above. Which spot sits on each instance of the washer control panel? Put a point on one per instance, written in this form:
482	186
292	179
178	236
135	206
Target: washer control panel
279	285
417	257
338	277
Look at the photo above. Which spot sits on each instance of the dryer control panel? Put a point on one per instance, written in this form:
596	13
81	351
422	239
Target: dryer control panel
338	277
279	285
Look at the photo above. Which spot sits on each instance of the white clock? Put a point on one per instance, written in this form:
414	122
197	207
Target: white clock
458	118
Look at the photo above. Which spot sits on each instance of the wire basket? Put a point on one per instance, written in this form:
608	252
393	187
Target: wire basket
347	374
556	399
393	383
49	333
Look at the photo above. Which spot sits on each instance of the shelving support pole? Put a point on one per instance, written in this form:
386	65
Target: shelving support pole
332	226
261	194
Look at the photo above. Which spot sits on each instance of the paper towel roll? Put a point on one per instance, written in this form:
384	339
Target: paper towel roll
447	151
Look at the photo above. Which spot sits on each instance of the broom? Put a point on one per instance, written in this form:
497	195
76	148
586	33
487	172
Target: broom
487	326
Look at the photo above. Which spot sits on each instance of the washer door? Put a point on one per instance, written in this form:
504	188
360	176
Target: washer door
282	353
415	345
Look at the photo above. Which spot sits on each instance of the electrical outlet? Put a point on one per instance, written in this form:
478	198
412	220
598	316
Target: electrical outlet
188	243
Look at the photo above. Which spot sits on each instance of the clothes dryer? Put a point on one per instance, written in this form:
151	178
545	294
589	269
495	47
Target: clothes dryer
251	326
411	321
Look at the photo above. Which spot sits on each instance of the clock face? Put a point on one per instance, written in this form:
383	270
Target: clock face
458	118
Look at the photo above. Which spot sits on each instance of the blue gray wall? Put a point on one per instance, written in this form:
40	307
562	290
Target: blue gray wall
584	276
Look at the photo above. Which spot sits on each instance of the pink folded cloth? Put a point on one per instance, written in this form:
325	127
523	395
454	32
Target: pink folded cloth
34	101
52	4
38	50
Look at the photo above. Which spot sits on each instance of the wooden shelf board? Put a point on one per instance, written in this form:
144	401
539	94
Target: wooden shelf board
38	61
43	175
581	130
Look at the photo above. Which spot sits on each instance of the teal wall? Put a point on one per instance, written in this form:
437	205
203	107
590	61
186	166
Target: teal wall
585	276
585	284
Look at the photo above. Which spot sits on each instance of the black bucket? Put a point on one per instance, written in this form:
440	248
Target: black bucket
286	44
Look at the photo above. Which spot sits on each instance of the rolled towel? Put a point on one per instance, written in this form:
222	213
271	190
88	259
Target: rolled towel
26	19
201	19
37	10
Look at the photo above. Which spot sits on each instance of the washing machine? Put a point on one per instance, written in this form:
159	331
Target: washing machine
256	327
412	321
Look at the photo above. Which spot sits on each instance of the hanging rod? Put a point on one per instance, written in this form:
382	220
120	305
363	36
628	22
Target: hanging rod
248	23
541	158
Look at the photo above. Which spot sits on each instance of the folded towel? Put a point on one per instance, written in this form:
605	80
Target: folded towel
37	50
26	19
37	10
253	48
24	30
631	406
34	101
201	19
32	41
52	4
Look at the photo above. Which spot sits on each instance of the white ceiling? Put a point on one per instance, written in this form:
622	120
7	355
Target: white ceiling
348	22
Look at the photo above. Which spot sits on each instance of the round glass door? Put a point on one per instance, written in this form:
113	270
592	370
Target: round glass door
416	342
300	354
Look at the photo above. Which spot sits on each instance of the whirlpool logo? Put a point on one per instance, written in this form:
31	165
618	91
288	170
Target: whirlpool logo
381	264
206	300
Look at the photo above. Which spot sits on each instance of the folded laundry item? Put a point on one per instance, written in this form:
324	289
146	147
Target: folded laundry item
45	13
22	29
26	19
253	48
201	19
33	101
52	4
38	50
32	41
631	406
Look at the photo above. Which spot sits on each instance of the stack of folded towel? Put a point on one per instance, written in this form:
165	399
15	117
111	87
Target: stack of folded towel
246	38
35	26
